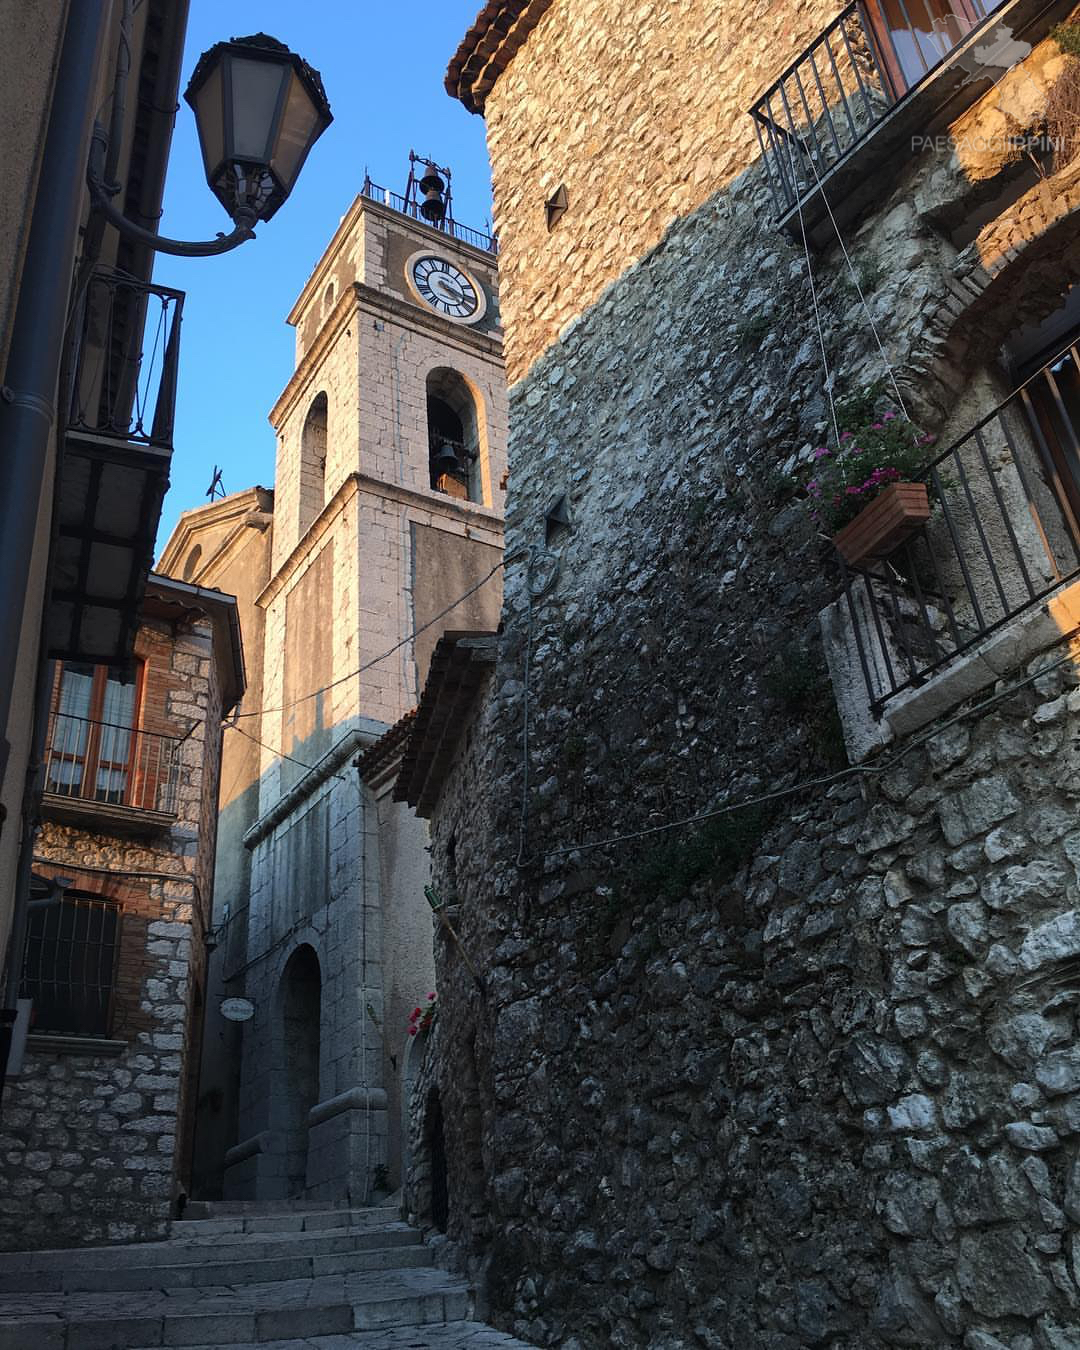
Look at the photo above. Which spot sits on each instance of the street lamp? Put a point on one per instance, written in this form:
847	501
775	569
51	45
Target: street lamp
259	109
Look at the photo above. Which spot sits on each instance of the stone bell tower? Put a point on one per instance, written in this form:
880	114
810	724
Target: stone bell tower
388	510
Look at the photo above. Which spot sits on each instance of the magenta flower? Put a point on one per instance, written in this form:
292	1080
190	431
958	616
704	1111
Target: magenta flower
821	452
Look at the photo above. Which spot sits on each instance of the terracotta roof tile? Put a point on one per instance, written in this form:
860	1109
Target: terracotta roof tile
460	666
496	35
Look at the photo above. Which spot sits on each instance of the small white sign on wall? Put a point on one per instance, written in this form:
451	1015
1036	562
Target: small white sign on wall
237	1009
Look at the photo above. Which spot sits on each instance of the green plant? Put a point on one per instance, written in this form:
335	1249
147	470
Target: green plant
875	449
714	852
574	748
750	330
868	275
1067	37
793	678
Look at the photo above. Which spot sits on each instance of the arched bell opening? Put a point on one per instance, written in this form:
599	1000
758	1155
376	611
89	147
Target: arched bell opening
455	457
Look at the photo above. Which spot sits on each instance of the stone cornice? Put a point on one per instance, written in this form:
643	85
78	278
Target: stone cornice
360	298
335	758
497	34
470	514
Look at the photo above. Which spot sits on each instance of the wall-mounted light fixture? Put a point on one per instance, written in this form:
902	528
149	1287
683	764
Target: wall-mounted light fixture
259	108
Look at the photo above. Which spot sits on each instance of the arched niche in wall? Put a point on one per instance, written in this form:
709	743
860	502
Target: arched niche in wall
457	443
301	1005
313	462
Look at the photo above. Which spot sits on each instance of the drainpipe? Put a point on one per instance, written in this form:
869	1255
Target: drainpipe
28	393
29	390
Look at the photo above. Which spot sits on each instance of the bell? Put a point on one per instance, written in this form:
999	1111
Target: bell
433	207
432	182
445	460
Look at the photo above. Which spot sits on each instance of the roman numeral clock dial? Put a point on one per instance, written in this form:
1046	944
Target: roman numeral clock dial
445	288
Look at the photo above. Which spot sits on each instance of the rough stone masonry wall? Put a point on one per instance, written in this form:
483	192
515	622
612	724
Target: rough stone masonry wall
827	1101
90	1138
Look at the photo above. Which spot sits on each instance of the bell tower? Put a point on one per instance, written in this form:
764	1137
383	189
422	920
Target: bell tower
391	460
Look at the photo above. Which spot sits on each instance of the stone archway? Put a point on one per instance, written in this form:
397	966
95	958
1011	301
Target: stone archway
301	997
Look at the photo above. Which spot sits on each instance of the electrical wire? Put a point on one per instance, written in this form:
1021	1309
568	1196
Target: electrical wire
279	754
375	660
870	770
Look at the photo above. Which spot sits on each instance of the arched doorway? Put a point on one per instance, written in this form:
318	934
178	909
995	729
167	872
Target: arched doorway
301	990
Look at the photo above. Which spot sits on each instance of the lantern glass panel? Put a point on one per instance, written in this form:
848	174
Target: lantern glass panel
296	135
209	117
255	89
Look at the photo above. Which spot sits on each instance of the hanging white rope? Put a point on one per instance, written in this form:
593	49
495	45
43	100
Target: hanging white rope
817	308
890	372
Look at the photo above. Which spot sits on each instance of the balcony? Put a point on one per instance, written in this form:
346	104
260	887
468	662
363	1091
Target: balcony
101	773
1002	539
117	445
487	243
883	72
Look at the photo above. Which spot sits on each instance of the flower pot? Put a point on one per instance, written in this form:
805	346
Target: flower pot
894	515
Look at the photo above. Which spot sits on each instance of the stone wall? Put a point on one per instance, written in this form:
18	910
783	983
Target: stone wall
93	1128
799	1076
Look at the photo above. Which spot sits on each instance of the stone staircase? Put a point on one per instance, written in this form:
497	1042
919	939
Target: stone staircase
245	1276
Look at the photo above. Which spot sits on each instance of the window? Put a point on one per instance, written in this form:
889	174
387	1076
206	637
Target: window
69	966
912	39
92	739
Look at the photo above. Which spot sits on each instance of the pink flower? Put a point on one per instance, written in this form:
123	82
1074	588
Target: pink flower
853	491
431	996
412	1031
821	452
888	417
847	435
927	440
877	426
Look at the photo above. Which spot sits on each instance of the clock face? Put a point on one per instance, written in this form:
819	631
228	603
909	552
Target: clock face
446	288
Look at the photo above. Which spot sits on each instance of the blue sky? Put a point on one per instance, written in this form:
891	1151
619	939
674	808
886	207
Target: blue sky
383	66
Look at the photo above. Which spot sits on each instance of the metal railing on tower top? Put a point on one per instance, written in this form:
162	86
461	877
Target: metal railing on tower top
477	238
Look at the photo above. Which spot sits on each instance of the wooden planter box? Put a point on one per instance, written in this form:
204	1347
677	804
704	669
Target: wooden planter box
882	526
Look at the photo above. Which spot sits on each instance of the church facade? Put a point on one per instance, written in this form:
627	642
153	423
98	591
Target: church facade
384	529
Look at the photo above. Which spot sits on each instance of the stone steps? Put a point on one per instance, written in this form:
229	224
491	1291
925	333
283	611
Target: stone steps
15	1266
451	1336
259	1314
285	1278
232	1270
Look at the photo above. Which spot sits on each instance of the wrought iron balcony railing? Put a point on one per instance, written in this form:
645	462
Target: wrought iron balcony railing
847	82
126	365
477	238
100	762
1002	536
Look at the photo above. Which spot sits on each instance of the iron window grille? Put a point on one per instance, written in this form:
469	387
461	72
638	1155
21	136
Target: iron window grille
70	963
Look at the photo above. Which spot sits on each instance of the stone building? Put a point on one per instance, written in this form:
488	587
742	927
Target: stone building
97	1124
800	1070
385	528
66	280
